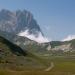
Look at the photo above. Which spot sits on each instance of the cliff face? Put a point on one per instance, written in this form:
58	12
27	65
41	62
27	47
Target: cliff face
18	21
21	23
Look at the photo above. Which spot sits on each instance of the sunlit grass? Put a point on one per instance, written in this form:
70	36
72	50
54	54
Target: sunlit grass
8	72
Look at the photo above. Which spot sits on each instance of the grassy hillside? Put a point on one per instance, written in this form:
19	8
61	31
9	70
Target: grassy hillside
16	61
13	57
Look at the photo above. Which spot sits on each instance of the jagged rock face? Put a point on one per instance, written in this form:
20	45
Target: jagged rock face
18	21
7	21
21	23
26	21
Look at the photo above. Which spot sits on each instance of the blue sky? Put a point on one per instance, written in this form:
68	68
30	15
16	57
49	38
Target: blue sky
55	17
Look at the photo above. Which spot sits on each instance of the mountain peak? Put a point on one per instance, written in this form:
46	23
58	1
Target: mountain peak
20	21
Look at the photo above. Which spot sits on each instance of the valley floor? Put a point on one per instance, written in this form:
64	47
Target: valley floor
59	65
8	72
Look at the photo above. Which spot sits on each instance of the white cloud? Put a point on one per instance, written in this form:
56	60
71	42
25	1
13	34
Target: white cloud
70	37
39	39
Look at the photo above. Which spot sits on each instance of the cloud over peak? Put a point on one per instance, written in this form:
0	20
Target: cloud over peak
68	38
40	38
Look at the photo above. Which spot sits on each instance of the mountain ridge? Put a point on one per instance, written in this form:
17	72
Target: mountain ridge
21	21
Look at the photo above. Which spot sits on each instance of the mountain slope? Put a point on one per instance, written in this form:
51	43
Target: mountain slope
13	57
25	43
17	21
66	46
21	23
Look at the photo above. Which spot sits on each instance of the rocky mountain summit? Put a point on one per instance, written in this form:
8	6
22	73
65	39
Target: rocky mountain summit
21	23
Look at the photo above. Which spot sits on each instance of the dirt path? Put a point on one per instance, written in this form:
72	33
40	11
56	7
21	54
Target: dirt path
50	67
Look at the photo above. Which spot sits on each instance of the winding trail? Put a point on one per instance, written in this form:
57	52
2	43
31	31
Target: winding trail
50	67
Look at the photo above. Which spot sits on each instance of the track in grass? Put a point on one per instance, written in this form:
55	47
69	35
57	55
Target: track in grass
50	67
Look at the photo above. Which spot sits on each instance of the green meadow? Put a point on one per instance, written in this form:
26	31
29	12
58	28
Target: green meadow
62	66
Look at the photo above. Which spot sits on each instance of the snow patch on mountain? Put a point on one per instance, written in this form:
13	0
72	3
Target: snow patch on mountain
70	37
40	38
